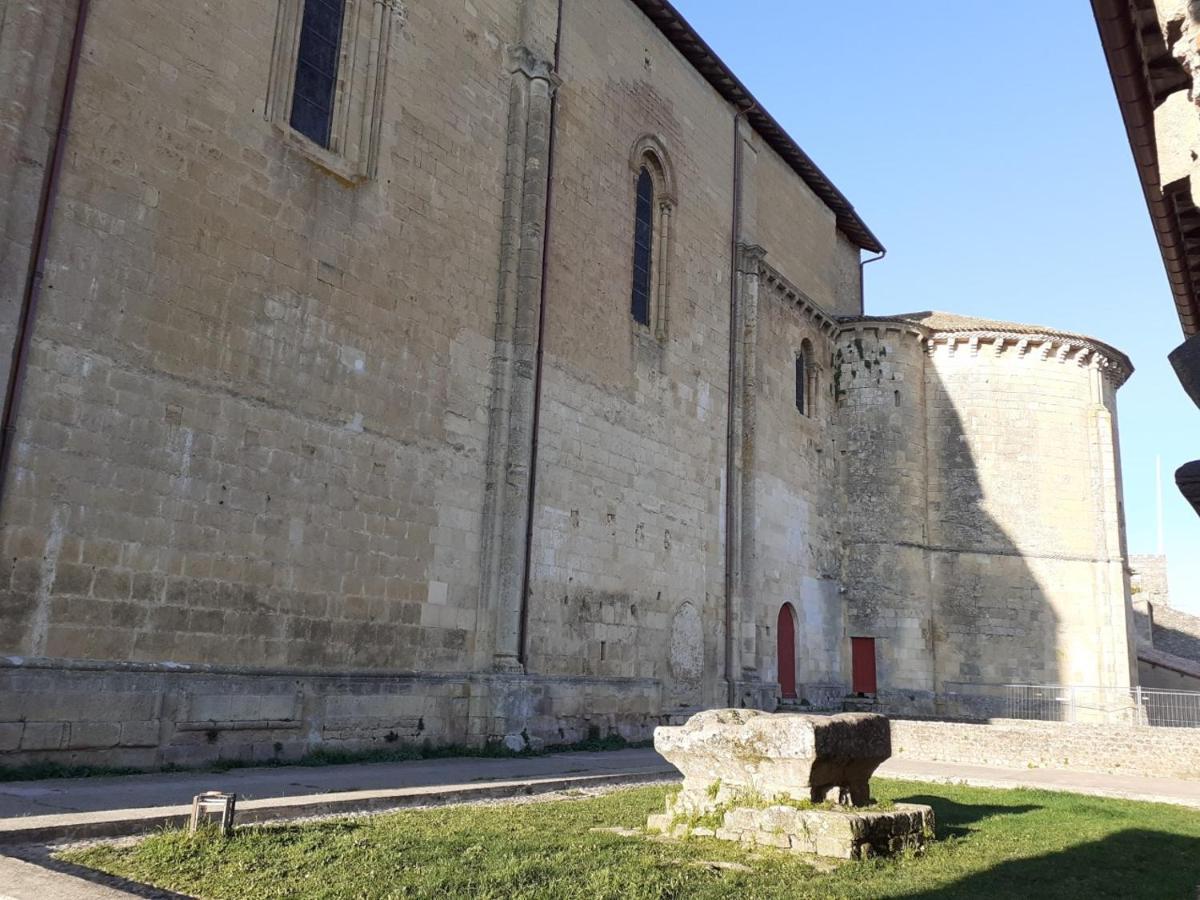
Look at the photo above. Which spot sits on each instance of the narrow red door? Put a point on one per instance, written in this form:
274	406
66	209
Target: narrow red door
862	659
786	635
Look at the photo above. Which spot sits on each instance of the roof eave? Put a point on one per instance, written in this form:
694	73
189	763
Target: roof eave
705	60
1126	65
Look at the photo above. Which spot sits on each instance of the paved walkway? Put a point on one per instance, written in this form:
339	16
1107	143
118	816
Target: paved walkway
1127	787
67	795
20	880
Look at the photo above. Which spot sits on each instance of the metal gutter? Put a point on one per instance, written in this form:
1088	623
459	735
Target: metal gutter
539	363
1127	65
702	57
37	257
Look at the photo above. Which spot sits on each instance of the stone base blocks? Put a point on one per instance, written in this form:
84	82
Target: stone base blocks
145	715
796	782
839	833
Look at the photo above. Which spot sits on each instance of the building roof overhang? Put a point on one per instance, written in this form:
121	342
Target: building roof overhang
702	57
1144	73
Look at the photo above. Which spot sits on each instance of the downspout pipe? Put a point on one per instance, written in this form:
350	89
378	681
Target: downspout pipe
862	280
37	255
522	639
731	423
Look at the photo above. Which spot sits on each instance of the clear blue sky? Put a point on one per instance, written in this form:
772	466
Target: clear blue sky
982	143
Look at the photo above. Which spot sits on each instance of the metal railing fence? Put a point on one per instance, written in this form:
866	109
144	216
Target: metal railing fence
1087	703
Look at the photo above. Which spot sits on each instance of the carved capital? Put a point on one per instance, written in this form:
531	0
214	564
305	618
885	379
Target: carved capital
522	59
750	258
396	8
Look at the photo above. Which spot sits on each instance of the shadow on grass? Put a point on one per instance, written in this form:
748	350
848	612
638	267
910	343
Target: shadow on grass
953	819
1128	864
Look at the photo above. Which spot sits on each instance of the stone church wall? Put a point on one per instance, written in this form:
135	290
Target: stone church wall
182	488
881	386
631	447
970	568
792	461
1025	592
786	218
269	485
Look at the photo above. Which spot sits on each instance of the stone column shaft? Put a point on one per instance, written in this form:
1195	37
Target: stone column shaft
514	364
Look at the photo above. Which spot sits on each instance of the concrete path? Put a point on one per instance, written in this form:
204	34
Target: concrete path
65	795
1125	787
111	807
20	880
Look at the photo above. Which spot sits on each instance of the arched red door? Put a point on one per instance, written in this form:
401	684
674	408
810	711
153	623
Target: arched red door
786	636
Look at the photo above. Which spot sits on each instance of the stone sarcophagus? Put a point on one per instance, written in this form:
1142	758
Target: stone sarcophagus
793	781
815	758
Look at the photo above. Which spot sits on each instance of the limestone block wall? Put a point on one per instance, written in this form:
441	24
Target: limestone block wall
1148	579
255	412
799	234
881	389
996	553
631	448
791	461
151	715
1151	752
1026	528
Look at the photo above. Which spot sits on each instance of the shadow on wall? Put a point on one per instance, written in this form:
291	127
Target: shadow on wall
991	620
955	607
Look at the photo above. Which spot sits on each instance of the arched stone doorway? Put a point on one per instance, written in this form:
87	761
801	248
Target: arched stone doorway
786	640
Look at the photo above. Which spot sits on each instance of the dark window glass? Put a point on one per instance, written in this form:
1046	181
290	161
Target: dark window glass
801	383
317	69
643	241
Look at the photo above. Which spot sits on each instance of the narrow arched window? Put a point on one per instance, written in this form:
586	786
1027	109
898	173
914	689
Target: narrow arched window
643	247
802	383
806	379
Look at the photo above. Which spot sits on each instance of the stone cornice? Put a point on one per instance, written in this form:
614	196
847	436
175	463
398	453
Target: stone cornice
787	293
1082	351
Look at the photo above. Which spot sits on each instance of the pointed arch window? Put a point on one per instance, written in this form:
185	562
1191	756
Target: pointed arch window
654	202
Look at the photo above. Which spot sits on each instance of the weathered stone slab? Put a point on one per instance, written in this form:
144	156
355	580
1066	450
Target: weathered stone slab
723	753
757	778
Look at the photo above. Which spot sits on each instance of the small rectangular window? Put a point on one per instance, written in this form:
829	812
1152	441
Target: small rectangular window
317	69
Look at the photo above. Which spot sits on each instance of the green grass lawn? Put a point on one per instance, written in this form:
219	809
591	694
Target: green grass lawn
992	843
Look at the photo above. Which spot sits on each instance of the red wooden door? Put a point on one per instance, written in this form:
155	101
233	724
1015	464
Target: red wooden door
862	659
786	636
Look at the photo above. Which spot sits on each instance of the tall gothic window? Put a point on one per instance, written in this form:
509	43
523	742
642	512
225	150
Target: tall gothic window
643	247
317	69
329	81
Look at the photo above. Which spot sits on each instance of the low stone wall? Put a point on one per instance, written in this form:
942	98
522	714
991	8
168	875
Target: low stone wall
1113	749
149	715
